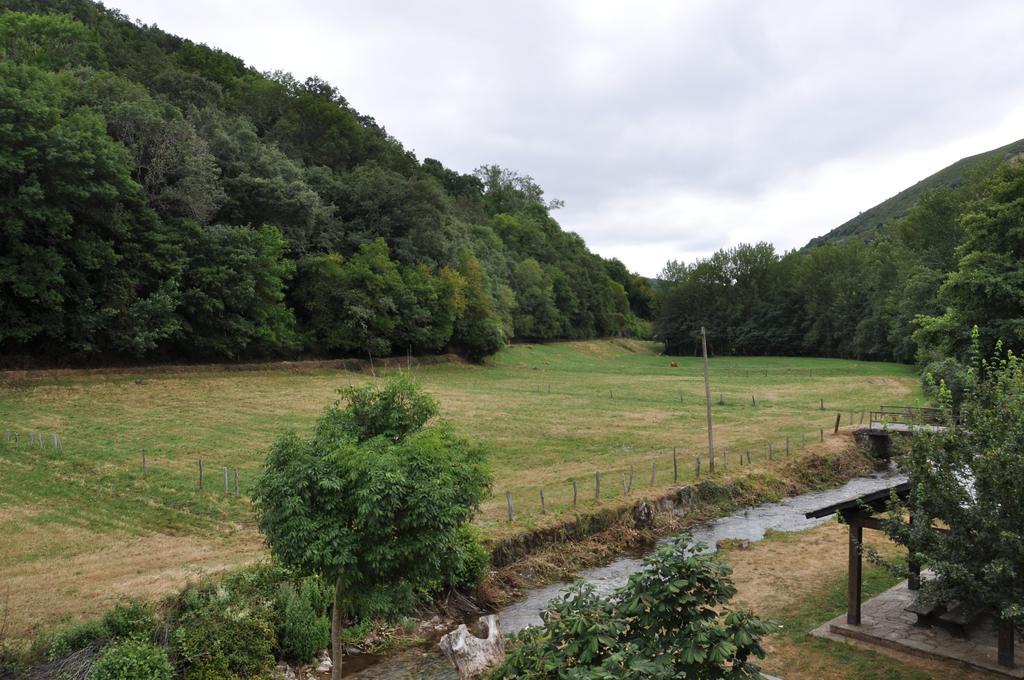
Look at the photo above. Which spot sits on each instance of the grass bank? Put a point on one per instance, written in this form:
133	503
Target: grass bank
84	524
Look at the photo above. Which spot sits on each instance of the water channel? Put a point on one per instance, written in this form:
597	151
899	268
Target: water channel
749	524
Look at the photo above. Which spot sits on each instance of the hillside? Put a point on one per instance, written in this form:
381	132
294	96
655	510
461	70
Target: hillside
869	223
176	204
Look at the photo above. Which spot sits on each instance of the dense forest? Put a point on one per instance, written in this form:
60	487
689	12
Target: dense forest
911	291
161	200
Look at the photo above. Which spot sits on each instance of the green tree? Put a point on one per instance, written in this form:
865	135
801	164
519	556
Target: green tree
48	41
375	498
963	517
669	621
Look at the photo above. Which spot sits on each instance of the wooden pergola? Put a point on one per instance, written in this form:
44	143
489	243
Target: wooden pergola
859	514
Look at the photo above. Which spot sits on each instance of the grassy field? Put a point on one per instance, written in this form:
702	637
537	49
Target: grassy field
85	521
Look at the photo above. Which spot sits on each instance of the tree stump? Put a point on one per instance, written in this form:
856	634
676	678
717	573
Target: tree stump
470	655
643	515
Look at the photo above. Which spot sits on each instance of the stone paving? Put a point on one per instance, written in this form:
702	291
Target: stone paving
884	622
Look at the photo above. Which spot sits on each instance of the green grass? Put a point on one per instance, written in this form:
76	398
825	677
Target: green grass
550	413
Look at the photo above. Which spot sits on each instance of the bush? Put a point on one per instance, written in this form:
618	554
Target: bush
469	562
224	630
304	628
130	618
77	637
132	660
948	372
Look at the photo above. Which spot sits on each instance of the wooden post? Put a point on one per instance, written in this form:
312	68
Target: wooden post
821	404
143	463
707	399
630	476
653	472
225	480
753	402
787	445
543	508
675	467
748	457
770	451
200	474
508	502
839	418
597	485
854	577
725	456
803	440
237	493
821	433
574	494
1006	644
698	467
625	491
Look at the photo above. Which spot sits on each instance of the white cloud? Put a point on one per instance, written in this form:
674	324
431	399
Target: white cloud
670	129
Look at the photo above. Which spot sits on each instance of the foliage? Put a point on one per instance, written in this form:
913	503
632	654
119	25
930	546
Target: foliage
374	499
963	517
163	193
668	621
225	630
468	563
132	660
304	629
77	637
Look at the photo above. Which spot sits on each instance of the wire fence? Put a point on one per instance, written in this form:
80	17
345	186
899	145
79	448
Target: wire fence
657	469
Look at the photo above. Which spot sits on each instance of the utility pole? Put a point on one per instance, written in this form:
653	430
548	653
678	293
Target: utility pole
707	400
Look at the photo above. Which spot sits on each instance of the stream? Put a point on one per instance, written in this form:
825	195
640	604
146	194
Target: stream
748	524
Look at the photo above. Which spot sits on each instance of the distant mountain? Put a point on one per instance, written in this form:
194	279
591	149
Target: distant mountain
868	224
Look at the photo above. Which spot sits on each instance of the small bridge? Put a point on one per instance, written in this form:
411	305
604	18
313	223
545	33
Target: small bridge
888	421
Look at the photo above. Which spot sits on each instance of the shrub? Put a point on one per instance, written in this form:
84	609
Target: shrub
948	372
77	637
132	660
469	561
669	621
224	630
130	618
303	625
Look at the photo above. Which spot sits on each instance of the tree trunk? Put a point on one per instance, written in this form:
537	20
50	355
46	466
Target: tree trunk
336	633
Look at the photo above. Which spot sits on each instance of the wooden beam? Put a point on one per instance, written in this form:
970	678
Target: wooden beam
1006	644
854	577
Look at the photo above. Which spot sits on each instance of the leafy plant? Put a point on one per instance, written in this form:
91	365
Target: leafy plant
669	621
132	660
304	628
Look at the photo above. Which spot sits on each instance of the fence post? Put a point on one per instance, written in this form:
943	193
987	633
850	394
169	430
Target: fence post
597	485
748	457
236	483
625	490
698	467
225	480
200	474
753	402
822	405
653	473
861	418
821	432
787	446
543	508
770	451
675	467
725	455
574	494
508	501
803	440
143	463
839	418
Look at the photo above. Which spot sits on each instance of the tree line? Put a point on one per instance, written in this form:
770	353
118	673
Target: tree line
954	261
162	200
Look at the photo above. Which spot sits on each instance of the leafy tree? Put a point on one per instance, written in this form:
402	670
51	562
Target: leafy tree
48	41
233	291
374	499
963	517
478	330
669	621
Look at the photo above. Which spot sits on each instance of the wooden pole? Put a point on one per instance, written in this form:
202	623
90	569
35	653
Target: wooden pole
821	403
225	480
630	477
508	503
653	472
200	474
753	402
143	463
839	418
597	485
698	467
574	494
787	445
543	508
748	457
675	467
821	433
770	451
1005	653
237	493
707	399
625	491
853	585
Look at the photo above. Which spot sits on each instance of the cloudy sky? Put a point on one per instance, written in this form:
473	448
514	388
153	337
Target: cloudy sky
670	129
